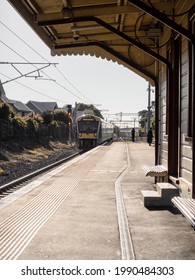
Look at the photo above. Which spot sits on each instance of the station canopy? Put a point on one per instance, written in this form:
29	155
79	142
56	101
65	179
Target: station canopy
116	30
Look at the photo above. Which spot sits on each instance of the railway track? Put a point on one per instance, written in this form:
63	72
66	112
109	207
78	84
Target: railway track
12	186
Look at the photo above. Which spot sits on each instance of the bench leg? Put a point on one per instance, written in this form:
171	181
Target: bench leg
159	179
163	179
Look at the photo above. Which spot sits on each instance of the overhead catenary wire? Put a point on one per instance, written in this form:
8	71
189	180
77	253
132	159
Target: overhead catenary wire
62	86
34	89
71	83
28	74
37	69
23	41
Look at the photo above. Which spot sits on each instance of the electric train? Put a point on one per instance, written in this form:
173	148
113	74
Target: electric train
92	131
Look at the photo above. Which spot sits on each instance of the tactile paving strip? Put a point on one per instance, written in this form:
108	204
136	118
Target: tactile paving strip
18	230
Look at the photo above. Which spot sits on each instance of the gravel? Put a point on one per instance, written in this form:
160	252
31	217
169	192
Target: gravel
20	159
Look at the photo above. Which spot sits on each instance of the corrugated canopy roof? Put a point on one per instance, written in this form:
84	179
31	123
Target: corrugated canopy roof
113	29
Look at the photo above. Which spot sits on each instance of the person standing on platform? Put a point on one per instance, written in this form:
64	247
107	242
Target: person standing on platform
150	136
133	134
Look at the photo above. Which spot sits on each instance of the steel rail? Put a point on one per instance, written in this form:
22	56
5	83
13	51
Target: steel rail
35	173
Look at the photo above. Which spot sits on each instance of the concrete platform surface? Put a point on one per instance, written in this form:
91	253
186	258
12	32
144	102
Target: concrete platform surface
73	215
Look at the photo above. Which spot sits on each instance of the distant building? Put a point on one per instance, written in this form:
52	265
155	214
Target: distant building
3	97
41	107
18	107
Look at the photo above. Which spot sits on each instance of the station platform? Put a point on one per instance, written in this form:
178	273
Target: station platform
71	213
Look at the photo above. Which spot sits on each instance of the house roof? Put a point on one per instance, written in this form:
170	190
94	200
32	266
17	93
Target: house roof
3	98
21	107
43	106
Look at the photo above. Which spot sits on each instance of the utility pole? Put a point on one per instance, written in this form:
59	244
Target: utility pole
121	116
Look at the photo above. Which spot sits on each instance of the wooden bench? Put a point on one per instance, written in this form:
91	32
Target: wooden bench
157	171
187	207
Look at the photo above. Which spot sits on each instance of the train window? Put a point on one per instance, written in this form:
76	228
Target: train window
87	126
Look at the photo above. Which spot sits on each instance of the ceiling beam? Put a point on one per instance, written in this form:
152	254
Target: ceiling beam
89	11
102	10
164	19
29	18
66	37
112	29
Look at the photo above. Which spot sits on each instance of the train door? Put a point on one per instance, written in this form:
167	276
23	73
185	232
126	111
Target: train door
99	133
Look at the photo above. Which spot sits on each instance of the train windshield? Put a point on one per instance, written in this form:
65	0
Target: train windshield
87	126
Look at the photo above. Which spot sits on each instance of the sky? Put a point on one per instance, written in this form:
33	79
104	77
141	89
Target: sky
111	87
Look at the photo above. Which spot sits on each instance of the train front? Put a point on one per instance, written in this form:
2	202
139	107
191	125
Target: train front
87	131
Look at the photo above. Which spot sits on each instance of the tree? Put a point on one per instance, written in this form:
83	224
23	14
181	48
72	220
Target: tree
6	111
83	107
61	116
143	117
47	117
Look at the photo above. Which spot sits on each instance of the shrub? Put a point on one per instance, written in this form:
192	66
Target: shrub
38	118
33	125
47	117
34	116
54	124
1	171
6	112
19	122
61	116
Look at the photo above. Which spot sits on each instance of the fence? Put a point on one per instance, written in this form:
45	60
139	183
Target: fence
9	130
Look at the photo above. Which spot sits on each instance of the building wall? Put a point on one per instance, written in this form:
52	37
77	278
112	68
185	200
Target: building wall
186	147
185	143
